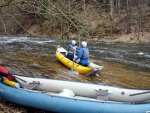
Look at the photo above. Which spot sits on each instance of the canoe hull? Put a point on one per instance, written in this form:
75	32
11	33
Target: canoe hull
68	105
119	94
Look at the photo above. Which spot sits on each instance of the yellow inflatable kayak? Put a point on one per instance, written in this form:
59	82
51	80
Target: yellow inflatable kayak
91	69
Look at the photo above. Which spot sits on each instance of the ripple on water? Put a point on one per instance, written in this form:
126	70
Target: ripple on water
124	64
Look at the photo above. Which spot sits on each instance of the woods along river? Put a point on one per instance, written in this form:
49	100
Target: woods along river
124	64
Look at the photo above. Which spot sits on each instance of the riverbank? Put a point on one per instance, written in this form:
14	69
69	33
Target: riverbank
129	38
37	30
142	37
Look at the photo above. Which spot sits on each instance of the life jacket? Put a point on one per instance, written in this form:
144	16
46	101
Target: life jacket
86	53
2	70
85	56
10	77
71	49
5	73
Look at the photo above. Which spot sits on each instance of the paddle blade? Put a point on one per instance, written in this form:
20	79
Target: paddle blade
72	70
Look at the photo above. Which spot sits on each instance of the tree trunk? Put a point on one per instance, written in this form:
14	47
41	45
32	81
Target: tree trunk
128	16
112	15
84	6
119	6
140	17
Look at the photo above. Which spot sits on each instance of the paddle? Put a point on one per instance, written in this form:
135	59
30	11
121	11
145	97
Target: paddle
139	93
91	72
72	69
20	79
30	85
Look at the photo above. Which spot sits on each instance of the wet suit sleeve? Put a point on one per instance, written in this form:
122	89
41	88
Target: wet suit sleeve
80	53
69	47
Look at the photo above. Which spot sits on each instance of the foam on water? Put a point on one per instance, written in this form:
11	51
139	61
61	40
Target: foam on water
25	39
136	55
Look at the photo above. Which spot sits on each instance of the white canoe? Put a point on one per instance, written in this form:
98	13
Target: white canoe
96	91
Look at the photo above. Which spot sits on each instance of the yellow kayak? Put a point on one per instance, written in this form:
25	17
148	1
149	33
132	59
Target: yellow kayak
91	69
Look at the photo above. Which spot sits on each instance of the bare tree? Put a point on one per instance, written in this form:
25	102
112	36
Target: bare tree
84	6
139	28
128	15
112	15
119	7
74	16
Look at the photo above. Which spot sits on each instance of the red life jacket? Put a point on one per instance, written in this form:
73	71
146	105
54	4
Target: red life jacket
9	77
5	73
2	70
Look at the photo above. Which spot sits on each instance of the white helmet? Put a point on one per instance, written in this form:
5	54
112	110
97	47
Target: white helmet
84	44
73	42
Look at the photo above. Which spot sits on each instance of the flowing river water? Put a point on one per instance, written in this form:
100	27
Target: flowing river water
126	61
126	65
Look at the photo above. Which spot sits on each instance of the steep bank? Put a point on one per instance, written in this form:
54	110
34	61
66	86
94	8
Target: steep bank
90	20
144	37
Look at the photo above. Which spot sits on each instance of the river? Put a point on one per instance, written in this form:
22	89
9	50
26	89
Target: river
124	64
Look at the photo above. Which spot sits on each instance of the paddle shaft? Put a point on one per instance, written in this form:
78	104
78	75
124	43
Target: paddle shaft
139	93
73	59
21	79
90	72
72	69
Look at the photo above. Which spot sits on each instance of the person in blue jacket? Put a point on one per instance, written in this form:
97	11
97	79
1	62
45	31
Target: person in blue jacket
83	54
71	50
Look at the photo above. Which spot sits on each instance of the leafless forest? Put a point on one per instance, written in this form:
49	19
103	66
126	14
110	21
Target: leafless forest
92	19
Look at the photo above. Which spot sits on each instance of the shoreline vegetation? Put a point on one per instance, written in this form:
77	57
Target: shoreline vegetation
105	20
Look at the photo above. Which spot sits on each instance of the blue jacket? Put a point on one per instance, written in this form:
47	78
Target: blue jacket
70	51
83	55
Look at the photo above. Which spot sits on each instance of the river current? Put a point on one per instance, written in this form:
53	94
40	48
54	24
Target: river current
124	64
135	56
